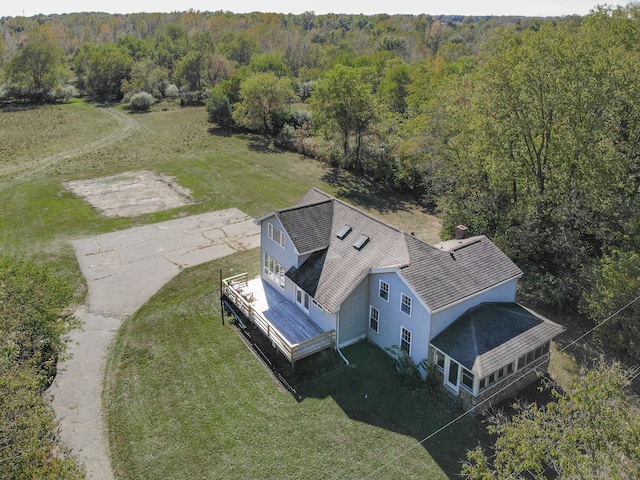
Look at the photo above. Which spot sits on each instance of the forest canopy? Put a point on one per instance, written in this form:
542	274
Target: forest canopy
524	129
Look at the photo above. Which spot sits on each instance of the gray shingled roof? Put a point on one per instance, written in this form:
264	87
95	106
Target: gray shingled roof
345	266
442	277
308	226
308	275
491	335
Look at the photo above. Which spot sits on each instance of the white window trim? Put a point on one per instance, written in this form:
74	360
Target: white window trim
371	310
303	295
473	380
281	238
402	330
437	353
380	290
273	275
402	297
447	368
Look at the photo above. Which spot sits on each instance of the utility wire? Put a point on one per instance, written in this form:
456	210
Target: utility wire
493	395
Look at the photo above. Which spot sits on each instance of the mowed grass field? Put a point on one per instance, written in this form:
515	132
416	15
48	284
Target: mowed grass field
185	397
42	147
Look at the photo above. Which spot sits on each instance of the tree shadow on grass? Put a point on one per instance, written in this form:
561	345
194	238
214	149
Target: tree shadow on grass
365	193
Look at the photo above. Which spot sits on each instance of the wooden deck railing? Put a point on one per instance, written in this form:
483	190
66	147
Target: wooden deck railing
235	289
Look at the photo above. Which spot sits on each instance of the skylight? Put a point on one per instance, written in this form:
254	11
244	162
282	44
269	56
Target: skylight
361	242
344	232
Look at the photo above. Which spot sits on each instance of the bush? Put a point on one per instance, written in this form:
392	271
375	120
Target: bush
410	373
141	102
219	109
33	324
172	91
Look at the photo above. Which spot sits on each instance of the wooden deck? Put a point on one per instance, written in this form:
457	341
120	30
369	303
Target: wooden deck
289	328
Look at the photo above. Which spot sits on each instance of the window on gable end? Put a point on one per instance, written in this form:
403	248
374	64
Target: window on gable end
405	304
384	290
277	235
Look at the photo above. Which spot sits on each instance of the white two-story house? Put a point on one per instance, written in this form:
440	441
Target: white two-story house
359	278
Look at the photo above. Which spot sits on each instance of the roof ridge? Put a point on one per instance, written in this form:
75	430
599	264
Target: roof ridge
306	205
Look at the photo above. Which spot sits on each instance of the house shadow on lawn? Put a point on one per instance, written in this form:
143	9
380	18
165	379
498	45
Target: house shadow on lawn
370	390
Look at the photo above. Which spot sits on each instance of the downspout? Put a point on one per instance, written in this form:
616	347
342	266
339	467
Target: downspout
338	339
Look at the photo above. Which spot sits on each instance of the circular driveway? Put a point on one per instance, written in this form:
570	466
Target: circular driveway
123	270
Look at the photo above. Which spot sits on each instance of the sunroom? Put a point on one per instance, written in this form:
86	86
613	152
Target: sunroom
490	348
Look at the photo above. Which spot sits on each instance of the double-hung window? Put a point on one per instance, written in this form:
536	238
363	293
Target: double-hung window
405	304
405	340
384	290
374	318
277	235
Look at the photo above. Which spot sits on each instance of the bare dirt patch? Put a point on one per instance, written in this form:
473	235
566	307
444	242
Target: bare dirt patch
131	194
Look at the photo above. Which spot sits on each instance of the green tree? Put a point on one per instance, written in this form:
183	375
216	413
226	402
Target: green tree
616	283
190	71
219	109
547	170
37	66
264	101
146	76
239	47
270	62
393	88
102	69
137	48
343	104
591	431
170	44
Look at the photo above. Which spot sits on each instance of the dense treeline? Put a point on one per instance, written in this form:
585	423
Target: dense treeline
527	130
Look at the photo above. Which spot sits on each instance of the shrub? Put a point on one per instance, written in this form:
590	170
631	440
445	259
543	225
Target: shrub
172	91
219	109
409	371
141	101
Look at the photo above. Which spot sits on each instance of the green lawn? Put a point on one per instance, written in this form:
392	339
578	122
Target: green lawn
38	216
186	398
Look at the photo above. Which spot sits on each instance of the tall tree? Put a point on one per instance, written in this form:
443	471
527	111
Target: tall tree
264	99
343	104
37	66
101	69
590	431
542	136
617	283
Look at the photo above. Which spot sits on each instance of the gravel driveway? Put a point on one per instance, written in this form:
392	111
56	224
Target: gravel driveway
123	270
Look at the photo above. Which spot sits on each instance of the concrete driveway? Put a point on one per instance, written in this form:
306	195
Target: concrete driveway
123	270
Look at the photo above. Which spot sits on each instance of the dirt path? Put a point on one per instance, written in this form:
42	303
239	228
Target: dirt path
123	270
126	126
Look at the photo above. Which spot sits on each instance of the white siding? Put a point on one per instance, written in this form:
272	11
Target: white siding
392	318
284	256
354	315
325	320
